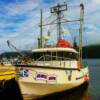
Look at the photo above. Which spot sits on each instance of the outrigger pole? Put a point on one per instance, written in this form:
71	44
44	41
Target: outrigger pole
80	31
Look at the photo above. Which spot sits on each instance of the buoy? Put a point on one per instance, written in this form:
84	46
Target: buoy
86	78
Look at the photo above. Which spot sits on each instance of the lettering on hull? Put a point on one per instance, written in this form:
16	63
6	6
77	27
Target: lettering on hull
46	77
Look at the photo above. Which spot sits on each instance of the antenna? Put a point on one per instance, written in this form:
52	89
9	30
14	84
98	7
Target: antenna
57	10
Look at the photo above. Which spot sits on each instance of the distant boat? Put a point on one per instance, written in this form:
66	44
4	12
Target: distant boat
7	72
55	68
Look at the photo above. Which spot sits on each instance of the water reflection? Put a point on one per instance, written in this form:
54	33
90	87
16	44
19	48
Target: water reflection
79	93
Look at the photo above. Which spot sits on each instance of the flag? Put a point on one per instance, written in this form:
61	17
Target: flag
49	33
67	31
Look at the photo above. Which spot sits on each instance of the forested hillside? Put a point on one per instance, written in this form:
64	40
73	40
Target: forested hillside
92	51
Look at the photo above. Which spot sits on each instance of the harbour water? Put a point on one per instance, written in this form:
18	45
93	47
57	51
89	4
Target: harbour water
94	86
86	91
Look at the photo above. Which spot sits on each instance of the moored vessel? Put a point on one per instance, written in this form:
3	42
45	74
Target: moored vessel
56	67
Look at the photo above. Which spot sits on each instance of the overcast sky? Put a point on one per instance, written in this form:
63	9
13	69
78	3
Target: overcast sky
19	20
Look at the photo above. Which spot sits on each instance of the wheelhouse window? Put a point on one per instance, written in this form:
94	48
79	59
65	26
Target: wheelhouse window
59	55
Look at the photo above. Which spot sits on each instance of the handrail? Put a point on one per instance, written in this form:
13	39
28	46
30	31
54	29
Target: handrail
39	58
46	67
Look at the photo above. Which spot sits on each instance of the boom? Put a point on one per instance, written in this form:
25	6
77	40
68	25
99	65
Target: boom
10	45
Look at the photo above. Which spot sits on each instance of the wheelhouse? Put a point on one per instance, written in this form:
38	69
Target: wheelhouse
57	54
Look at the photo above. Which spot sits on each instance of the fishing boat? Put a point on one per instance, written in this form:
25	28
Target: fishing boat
54	68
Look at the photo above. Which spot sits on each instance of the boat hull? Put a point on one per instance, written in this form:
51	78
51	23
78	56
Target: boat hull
42	82
38	89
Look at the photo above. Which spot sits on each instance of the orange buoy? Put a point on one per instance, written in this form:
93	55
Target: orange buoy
86	78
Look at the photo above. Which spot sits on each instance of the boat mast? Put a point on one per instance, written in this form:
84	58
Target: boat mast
57	10
41	29
80	31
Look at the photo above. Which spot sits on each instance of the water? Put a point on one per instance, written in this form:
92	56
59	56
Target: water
9	90
79	93
86	91
94	86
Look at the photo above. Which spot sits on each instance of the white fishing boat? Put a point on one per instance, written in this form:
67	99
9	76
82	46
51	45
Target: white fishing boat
53	69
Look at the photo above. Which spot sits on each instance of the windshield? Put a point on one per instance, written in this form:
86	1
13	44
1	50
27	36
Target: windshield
55	56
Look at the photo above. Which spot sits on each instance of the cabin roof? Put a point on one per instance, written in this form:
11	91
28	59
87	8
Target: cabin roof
54	49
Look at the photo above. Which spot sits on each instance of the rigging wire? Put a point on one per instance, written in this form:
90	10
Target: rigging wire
63	19
47	18
53	22
71	16
64	34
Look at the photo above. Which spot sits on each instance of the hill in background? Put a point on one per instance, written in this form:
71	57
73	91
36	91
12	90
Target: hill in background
91	51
